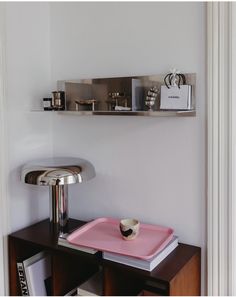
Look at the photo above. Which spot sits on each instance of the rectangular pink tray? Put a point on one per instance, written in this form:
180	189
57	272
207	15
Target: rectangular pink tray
103	234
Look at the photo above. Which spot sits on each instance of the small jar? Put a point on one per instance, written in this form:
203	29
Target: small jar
58	100
47	103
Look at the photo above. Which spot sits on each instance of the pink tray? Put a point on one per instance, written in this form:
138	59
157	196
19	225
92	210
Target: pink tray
103	234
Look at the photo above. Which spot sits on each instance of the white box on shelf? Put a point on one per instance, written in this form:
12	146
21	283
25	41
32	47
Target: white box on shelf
176	98
92	287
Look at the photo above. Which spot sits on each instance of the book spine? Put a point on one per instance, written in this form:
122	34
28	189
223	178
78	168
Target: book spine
65	243
22	279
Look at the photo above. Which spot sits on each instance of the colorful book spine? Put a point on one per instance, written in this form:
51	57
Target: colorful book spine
22	279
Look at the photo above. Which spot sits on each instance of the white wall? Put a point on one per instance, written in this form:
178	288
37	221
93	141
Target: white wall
145	167
28	81
151	169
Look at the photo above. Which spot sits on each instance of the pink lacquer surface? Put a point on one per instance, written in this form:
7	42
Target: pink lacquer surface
103	234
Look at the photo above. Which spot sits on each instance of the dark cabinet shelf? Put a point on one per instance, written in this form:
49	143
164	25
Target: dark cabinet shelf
178	274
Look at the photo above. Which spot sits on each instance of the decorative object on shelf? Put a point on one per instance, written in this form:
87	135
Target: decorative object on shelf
122	108
58	173
114	95
176	94
117	99
174	79
47	103
58	100
129	228
151	97
85	102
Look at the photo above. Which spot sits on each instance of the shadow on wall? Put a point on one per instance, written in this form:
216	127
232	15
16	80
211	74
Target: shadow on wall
28	203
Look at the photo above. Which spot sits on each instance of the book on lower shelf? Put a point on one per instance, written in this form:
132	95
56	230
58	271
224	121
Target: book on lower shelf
36	272
149	264
22	279
72	292
92	287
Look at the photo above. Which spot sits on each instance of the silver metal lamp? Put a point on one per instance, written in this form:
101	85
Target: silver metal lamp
58	173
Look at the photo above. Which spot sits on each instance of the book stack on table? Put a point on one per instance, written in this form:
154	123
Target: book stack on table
145	264
62	241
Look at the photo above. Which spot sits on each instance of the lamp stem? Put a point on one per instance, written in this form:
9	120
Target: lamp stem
59	208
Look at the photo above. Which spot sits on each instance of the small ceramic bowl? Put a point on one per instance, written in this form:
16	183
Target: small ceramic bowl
129	228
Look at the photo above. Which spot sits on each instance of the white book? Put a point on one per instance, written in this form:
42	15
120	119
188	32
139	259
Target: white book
92	287
63	242
38	274
149	264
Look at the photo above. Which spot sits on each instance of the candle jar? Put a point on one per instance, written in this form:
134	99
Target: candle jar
47	103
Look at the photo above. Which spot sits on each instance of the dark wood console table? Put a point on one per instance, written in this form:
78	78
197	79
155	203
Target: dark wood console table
178	274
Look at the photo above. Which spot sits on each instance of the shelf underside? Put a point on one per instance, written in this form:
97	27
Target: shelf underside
188	113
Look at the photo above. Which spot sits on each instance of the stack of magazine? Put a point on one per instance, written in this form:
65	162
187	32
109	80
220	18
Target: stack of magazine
35	275
149	264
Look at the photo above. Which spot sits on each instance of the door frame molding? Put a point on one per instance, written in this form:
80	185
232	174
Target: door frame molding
4	168
221	144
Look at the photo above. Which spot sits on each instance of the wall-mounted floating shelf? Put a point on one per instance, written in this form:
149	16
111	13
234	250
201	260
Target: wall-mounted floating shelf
189	113
120	96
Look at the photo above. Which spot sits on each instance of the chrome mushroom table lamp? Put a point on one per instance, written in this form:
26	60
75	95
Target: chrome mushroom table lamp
58	173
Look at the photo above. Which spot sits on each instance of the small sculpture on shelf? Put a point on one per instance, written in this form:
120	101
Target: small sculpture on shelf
174	78
117	101
86	103
151	97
